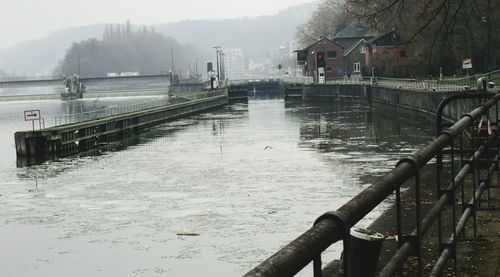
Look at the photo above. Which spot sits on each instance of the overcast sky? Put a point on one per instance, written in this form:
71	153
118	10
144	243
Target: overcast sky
22	20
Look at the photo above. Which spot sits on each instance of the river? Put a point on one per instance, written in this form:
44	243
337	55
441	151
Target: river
213	194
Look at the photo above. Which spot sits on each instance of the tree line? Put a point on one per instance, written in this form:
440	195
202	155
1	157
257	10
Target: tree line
441	32
124	48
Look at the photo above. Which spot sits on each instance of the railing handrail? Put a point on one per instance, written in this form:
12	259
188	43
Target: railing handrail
297	254
116	110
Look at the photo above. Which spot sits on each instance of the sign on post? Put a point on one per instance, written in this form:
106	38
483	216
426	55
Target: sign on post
467	64
32	115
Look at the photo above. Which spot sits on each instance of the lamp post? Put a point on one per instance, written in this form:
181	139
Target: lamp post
222	70
170	89
217	60
315	68
486	20
78	59
172	60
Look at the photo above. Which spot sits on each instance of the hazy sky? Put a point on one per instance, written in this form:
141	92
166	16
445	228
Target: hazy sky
22	20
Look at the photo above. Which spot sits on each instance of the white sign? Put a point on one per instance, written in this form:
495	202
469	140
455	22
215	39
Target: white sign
32	115
467	63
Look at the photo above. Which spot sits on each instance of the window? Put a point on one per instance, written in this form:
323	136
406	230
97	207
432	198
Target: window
403	54
331	54
357	67
362	49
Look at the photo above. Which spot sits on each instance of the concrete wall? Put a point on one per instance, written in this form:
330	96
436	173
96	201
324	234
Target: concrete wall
189	87
421	101
68	139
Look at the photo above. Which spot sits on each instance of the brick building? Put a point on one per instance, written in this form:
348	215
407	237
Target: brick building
323	50
353	38
354	51
388	44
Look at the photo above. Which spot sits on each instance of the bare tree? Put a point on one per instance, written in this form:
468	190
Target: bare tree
447	30
330	17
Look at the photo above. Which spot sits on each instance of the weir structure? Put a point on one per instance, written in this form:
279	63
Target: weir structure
466	171
72	138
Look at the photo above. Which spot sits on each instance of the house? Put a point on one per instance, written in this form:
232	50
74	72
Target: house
353	51
353	33
354	59
325	56
388	54
353	38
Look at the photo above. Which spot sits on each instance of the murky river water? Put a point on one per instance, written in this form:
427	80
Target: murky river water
247	178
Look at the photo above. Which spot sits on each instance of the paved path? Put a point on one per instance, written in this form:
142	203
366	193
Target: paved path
479	257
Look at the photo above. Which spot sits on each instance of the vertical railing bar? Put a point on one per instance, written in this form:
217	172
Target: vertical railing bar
454	211
497	131
419	233
475	138
462	187
317	266
439	166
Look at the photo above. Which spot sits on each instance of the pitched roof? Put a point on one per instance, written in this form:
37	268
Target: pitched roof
354	46
392	36
356	30
318	41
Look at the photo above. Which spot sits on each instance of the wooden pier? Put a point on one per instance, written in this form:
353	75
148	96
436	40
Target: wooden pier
64	140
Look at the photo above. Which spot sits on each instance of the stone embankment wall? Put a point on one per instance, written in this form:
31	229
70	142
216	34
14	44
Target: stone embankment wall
414	100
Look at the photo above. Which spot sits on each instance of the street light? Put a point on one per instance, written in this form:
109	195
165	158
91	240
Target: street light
315	68
78	59
222	70
217	60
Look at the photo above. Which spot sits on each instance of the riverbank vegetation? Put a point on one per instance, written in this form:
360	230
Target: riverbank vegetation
123	49
442	33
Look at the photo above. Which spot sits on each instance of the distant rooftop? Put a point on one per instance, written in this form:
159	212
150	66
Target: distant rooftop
323	39
357	30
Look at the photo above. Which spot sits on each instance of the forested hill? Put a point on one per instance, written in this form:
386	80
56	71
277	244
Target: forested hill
251	34
124	50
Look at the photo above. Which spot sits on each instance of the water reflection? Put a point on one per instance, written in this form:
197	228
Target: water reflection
248	178
52	166
356	126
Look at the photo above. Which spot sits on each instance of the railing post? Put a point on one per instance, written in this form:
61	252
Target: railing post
418	238
339	219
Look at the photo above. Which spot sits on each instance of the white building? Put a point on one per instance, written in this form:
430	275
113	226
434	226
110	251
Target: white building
234	63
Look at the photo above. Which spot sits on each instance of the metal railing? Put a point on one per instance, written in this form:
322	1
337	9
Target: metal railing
30	78
445	84
476	150
350	81
60	77
428	85
117	110
284	79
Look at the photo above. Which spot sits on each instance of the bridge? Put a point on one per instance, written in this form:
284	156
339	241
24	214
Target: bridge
48	87
55	80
